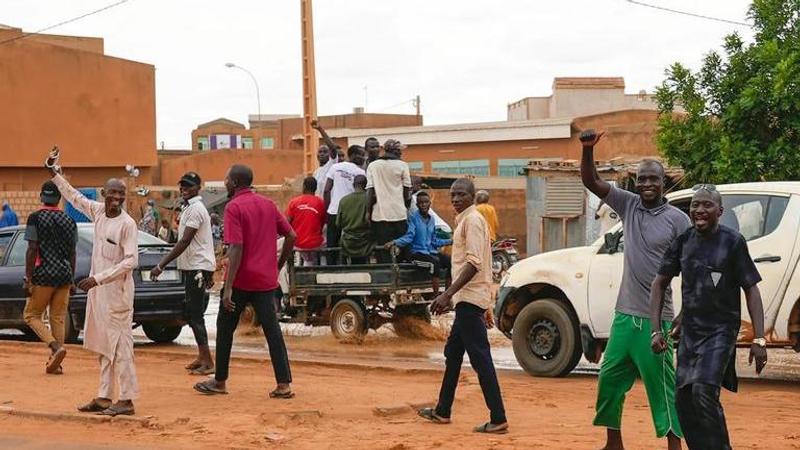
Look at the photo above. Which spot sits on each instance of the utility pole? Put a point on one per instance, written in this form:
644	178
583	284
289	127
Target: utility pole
310	139
416	104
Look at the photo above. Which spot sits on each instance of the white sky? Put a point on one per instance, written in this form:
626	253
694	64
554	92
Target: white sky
467	59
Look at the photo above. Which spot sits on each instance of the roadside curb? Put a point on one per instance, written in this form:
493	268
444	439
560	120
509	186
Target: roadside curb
144	422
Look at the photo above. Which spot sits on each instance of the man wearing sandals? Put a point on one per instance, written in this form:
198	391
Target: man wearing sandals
196	260
49	270
110	288
470	295
252	226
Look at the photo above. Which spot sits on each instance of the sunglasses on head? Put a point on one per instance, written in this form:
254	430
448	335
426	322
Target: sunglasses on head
704	187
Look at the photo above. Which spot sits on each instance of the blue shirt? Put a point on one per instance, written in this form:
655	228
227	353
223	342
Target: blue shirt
421	235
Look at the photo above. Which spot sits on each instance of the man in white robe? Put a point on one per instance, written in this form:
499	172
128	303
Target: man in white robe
110	287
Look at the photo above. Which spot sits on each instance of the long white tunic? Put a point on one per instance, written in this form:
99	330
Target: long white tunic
115	254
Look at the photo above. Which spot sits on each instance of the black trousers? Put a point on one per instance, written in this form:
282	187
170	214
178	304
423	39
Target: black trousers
332	237
702	418
264	307
196	303
469	334
384	232
436	262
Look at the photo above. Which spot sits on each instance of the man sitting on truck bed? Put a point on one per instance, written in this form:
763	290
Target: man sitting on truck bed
649	224
421	237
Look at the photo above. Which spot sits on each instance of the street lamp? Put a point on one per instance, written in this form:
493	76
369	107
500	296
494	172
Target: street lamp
258	92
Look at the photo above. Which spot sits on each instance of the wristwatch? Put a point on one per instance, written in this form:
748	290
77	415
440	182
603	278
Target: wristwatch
761	342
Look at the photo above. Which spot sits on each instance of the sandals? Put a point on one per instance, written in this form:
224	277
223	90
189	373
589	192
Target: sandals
208	388
490	428
430	415
117	410
93	406
285	395
202	370
55	360
192	365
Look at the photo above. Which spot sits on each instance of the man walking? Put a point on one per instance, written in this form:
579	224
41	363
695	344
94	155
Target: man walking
470	295
488	212
197	263
715	265
649	225
306	214
109	306
252	226
49	272
388	195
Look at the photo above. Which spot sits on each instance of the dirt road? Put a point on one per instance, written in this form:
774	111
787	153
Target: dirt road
335	407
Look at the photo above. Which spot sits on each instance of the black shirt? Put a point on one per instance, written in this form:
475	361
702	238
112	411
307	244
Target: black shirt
57	236
714	270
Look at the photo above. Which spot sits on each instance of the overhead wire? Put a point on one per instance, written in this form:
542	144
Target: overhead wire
691	14
74	19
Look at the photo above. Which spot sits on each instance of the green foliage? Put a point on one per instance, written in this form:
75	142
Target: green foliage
741	111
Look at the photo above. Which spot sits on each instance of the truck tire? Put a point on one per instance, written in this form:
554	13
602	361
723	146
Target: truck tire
160	333
546	339
348	321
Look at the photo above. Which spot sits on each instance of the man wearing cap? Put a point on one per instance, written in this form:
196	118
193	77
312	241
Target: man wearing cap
195	254
49	271
388	195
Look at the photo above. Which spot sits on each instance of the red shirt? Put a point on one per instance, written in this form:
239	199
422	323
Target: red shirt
307	215
255	222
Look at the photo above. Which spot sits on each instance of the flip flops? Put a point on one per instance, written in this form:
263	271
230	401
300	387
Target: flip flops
202	370
285	395
430	415
55	360
93	406
490	428
206	388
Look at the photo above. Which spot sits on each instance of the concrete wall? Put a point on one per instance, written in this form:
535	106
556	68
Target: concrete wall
269	167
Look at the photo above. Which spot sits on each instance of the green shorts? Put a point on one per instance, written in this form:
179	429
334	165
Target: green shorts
628	356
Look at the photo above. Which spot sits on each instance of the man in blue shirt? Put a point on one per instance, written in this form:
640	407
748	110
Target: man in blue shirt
421	237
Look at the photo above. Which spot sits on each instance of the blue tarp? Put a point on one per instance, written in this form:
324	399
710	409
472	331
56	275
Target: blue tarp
76	215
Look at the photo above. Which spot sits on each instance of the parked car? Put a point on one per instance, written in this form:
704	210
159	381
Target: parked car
158	306
556	306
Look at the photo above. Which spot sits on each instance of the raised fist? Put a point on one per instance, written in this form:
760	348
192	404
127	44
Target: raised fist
590	137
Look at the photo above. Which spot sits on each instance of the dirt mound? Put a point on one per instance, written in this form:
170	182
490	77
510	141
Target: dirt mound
417	328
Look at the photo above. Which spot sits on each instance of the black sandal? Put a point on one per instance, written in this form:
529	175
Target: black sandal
205	387
93	406
490	428
430	414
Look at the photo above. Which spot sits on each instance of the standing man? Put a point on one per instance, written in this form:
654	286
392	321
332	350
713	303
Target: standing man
109	305
715	265
351	218
340	183
49	271
388	195
252	226
650	224
373	149
197	263
327	156
488	212
470	295
307	215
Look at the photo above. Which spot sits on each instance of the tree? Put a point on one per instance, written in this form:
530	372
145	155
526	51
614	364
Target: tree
741	111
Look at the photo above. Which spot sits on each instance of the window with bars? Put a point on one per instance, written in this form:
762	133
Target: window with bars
477	167
267	143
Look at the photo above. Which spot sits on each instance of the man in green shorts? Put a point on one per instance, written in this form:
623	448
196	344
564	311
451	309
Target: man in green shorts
649	225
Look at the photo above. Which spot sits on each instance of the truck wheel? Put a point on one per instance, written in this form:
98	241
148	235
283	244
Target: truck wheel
70	333
160	333
546	339
348	321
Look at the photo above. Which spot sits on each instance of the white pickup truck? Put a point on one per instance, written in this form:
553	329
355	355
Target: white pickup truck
556	306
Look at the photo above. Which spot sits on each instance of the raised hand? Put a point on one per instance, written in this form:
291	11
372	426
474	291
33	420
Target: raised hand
52	160
590	138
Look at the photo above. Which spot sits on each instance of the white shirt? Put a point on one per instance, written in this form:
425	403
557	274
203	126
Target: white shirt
342	174
321	175
388	177
199	255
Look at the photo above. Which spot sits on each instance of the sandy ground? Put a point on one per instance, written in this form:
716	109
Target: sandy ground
334	407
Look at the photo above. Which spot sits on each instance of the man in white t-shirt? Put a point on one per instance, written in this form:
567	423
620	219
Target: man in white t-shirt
195	254
340	183
388	195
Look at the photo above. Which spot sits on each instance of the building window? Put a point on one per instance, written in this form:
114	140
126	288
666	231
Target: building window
202	143
267	143
416	166
247	143
477	167
511	167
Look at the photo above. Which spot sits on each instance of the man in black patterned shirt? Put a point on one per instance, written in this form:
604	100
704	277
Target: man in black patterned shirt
49	271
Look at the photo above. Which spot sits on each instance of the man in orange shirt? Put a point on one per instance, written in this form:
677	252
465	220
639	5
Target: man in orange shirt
488	213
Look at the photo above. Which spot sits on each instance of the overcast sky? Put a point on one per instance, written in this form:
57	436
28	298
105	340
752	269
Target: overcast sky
467	59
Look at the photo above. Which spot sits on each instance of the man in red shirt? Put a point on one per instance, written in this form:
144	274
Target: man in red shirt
307	215
252	226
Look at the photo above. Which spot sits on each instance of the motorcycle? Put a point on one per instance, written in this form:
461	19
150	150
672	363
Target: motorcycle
504	255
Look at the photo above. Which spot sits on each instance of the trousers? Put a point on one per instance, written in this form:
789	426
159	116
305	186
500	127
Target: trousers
56	298
120	370
196	304
702	418
469	334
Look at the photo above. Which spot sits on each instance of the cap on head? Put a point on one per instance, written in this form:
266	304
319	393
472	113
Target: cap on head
50	193
190	179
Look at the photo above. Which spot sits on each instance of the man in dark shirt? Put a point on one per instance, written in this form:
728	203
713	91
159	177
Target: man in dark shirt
49	271
351	218
715	265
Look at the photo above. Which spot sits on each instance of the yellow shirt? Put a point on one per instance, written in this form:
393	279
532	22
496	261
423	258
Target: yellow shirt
488	213
471	246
